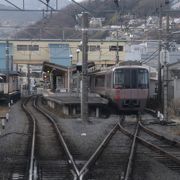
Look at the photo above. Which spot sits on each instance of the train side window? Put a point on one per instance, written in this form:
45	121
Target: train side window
108	82
99	81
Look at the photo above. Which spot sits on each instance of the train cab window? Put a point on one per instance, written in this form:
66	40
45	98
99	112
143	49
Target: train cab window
131	78
122	78
127	78
142	78
119	78
134	78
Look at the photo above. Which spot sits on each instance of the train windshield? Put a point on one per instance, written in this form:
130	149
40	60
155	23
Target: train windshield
131	78
142	78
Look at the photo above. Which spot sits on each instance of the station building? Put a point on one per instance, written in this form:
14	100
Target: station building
27	53
65	52
9	86
174	81
24	54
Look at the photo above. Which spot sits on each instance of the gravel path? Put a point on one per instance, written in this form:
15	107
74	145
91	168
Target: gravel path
14	136
13	140
84	136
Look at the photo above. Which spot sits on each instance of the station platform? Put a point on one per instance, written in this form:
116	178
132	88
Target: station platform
70	102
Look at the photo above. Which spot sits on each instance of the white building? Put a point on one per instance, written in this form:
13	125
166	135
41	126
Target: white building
148	53
174	85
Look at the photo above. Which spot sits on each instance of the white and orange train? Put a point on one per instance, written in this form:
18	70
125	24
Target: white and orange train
125	85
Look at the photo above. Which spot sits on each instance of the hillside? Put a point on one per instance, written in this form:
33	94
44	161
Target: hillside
62	24
12	21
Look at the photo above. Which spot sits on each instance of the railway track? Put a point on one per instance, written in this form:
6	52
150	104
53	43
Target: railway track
123	148
109	160
112	159
115	158
154	146
169	150
50	158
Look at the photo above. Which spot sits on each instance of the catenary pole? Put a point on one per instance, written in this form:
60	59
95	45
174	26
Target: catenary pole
117	35
7	67
166	64
84	93
159	63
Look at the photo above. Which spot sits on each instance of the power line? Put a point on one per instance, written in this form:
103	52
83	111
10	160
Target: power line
80	5
147	59
13	5
47	5
150	57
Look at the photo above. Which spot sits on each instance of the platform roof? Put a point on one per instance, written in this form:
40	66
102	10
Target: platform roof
11	73
51	67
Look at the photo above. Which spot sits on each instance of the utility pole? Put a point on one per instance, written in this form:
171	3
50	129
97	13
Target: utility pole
28	79
117	44
159	63
7	66
28	72
166	64
84	94
117	49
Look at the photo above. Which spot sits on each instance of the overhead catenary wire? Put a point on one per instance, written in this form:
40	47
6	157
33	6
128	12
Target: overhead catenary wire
80	5
18	8
151	55
47	5
13	5
147	59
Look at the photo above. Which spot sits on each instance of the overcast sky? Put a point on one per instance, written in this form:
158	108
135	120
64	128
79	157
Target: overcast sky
36	4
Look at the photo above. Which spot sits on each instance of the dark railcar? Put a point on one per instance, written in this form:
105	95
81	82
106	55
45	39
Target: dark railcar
9	89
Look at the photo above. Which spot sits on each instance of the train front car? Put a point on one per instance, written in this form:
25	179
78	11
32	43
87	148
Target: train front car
130	88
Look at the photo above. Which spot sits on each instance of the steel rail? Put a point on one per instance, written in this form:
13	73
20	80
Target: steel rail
31	166
131	156
70	161
151	146
98	151
161	137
